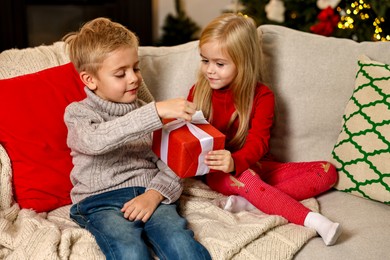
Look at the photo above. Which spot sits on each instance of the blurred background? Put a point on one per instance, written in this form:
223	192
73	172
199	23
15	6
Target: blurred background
28	23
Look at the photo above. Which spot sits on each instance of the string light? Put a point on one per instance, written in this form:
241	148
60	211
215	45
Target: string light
294	15
360	9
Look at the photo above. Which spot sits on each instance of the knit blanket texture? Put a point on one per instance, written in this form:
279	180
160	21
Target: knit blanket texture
25	234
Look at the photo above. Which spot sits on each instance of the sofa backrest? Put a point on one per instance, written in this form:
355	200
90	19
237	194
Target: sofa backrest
312	76
169	71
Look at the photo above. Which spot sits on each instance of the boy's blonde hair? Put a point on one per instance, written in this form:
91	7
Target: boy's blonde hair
89	46
238	37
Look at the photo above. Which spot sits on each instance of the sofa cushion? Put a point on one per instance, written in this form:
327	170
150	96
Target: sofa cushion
179	65
365	226
33	133
362	152
313	78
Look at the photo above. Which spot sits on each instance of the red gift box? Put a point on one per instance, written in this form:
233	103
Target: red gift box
183	147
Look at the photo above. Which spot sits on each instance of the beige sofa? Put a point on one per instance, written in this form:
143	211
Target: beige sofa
313	78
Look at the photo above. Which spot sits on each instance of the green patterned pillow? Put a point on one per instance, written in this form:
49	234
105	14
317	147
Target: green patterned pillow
362	152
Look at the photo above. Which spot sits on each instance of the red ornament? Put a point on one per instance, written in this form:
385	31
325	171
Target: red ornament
328	21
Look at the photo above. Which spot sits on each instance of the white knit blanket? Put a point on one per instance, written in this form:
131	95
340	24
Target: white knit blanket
25	234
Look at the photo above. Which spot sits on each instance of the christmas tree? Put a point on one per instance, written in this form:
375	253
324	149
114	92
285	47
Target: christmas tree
361	20
178	29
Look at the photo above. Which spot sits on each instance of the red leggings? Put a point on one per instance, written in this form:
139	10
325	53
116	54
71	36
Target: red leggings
276	188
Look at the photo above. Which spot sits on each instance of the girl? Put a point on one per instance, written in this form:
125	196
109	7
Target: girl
232	99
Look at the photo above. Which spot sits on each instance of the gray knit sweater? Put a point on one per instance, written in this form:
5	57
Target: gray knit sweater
111	148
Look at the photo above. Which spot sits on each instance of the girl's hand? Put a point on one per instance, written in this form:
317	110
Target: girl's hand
142	206
176	108
220	160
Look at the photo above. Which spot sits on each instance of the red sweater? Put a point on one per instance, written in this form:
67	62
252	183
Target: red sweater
256	145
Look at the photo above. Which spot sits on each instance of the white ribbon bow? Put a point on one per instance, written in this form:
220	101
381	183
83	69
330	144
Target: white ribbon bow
206	140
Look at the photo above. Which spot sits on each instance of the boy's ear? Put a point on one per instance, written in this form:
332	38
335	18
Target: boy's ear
88	80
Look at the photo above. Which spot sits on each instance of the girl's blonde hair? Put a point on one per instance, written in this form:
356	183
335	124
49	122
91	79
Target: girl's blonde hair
95	40
237	36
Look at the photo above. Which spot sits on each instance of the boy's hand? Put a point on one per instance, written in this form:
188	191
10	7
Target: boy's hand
142	206
176	108
220	160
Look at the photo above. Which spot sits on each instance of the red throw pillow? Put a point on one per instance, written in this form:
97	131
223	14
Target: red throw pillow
33	132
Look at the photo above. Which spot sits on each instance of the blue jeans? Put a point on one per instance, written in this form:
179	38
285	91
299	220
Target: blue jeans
165	232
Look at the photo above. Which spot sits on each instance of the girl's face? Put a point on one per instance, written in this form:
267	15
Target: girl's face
217	66
119	77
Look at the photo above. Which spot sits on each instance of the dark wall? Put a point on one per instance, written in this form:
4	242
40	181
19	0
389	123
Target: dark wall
28	23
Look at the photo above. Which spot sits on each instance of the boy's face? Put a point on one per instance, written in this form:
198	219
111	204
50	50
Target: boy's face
119	77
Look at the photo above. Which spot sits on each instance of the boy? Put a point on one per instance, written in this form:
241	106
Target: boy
122	193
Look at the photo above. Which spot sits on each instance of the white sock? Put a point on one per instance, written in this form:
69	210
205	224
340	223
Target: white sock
237	203
328	230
